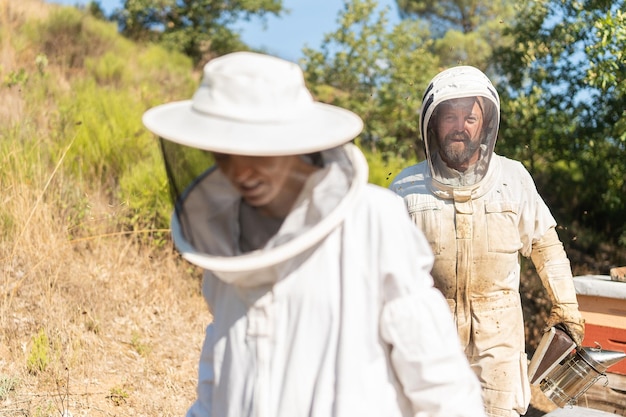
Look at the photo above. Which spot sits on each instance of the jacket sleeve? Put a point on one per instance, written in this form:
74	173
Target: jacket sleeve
426	354
202	406
553	268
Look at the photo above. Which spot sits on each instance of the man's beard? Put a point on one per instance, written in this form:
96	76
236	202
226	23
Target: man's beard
456	155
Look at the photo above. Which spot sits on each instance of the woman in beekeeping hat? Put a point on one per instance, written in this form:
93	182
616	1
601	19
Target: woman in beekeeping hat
316	312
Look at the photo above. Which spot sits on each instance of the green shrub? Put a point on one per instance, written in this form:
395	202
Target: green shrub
39	356
110	69
7	384
118	396
109	136
70	35
382	170
16	78
144	189
164	76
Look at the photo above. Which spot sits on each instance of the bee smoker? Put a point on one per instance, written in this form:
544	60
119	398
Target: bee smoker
565	372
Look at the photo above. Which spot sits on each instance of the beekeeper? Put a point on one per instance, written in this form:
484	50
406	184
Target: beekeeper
479	211
318	283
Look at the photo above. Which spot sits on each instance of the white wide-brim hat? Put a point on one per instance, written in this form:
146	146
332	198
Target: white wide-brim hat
253	104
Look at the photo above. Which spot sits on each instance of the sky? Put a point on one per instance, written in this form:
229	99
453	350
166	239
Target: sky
285	37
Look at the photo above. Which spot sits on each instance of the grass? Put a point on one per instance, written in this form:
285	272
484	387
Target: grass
7	384
118	315
38	357
93	321
98	315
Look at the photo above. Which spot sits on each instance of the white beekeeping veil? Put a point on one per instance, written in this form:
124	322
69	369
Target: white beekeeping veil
450	91
254	105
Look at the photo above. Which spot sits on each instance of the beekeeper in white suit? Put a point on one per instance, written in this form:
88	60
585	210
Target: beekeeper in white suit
479	211
318	283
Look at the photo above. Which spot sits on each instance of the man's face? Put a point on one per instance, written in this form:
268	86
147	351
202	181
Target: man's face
458	128
270	183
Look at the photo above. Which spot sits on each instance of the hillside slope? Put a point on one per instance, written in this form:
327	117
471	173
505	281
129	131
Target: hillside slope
96	317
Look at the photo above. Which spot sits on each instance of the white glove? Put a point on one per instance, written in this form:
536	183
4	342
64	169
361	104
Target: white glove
555	272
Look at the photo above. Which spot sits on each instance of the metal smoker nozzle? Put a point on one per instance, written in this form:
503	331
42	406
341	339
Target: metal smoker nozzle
600	359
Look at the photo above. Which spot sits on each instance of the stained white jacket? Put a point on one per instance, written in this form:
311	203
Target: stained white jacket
477	234
351	326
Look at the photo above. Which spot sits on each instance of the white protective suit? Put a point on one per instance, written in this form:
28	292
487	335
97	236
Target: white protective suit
478	222
331	317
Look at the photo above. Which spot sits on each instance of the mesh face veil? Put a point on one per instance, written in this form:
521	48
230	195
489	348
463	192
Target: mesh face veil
215	224
253	142
459	125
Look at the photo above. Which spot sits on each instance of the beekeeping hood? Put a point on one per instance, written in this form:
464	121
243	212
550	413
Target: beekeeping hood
460	82
254	105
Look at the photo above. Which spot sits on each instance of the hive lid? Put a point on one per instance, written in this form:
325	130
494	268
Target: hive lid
600	286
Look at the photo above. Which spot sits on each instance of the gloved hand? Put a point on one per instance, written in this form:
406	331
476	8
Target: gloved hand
570	319
554	270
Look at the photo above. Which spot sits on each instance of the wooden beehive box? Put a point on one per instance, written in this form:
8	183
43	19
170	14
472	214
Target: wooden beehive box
602	302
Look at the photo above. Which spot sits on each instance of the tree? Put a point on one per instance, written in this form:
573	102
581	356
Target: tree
463	15
198	28
95	9
377	71
563	87
466	31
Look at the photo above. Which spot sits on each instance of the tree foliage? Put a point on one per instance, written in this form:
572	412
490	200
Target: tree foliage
563	109
198	28
377	71
461	15
559	67
465	31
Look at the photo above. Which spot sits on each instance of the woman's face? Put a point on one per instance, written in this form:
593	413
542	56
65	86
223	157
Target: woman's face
269	183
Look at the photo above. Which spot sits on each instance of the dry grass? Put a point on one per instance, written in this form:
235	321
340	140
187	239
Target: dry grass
124	323
103	325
